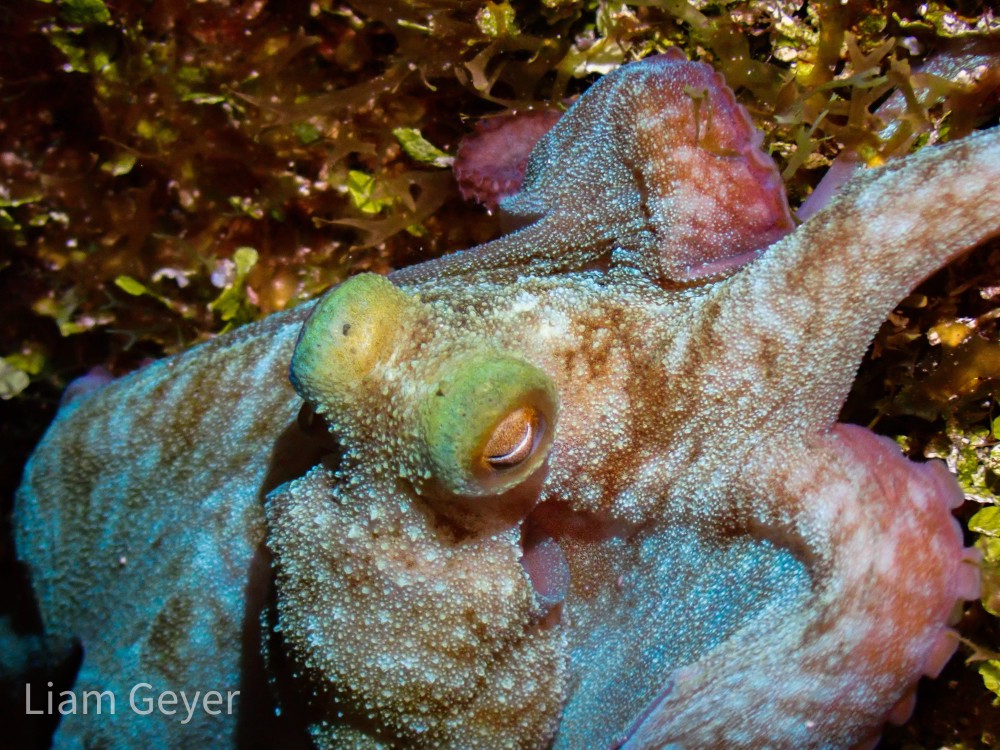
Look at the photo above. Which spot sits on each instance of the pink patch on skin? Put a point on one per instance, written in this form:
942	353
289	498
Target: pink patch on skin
490	162
95	378
940	653
928	511
547	569
656	168
842	170
879	613
969	585
712	188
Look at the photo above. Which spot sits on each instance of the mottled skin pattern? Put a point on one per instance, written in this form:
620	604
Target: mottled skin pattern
742	571
626	177
140	549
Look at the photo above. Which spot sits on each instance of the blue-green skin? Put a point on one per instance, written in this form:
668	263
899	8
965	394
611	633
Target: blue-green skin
743	572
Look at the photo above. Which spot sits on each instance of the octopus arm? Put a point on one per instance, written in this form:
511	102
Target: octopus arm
147	491
887	567
463	658
803	315
655	167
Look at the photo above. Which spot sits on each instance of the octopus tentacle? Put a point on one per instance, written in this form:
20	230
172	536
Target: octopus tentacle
345	581
888	567
834	280
656	162
491	161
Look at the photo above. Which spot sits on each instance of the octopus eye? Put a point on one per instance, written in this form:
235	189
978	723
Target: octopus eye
487	426
513	439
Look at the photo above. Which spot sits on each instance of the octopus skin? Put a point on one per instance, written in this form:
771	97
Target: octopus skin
580	487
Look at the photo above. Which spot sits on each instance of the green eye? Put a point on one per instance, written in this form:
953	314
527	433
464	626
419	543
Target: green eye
489	425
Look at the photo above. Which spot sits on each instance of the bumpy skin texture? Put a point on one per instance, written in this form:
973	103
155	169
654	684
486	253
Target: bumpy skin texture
139	516
692	554
660	169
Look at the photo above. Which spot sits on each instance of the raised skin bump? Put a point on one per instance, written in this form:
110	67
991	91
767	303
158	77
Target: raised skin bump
347	333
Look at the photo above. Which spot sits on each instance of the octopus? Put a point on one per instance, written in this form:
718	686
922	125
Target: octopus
580	487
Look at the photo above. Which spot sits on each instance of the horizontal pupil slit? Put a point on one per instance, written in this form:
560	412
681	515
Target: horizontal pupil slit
513	439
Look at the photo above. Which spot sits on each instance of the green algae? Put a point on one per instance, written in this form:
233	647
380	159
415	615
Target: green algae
216	125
